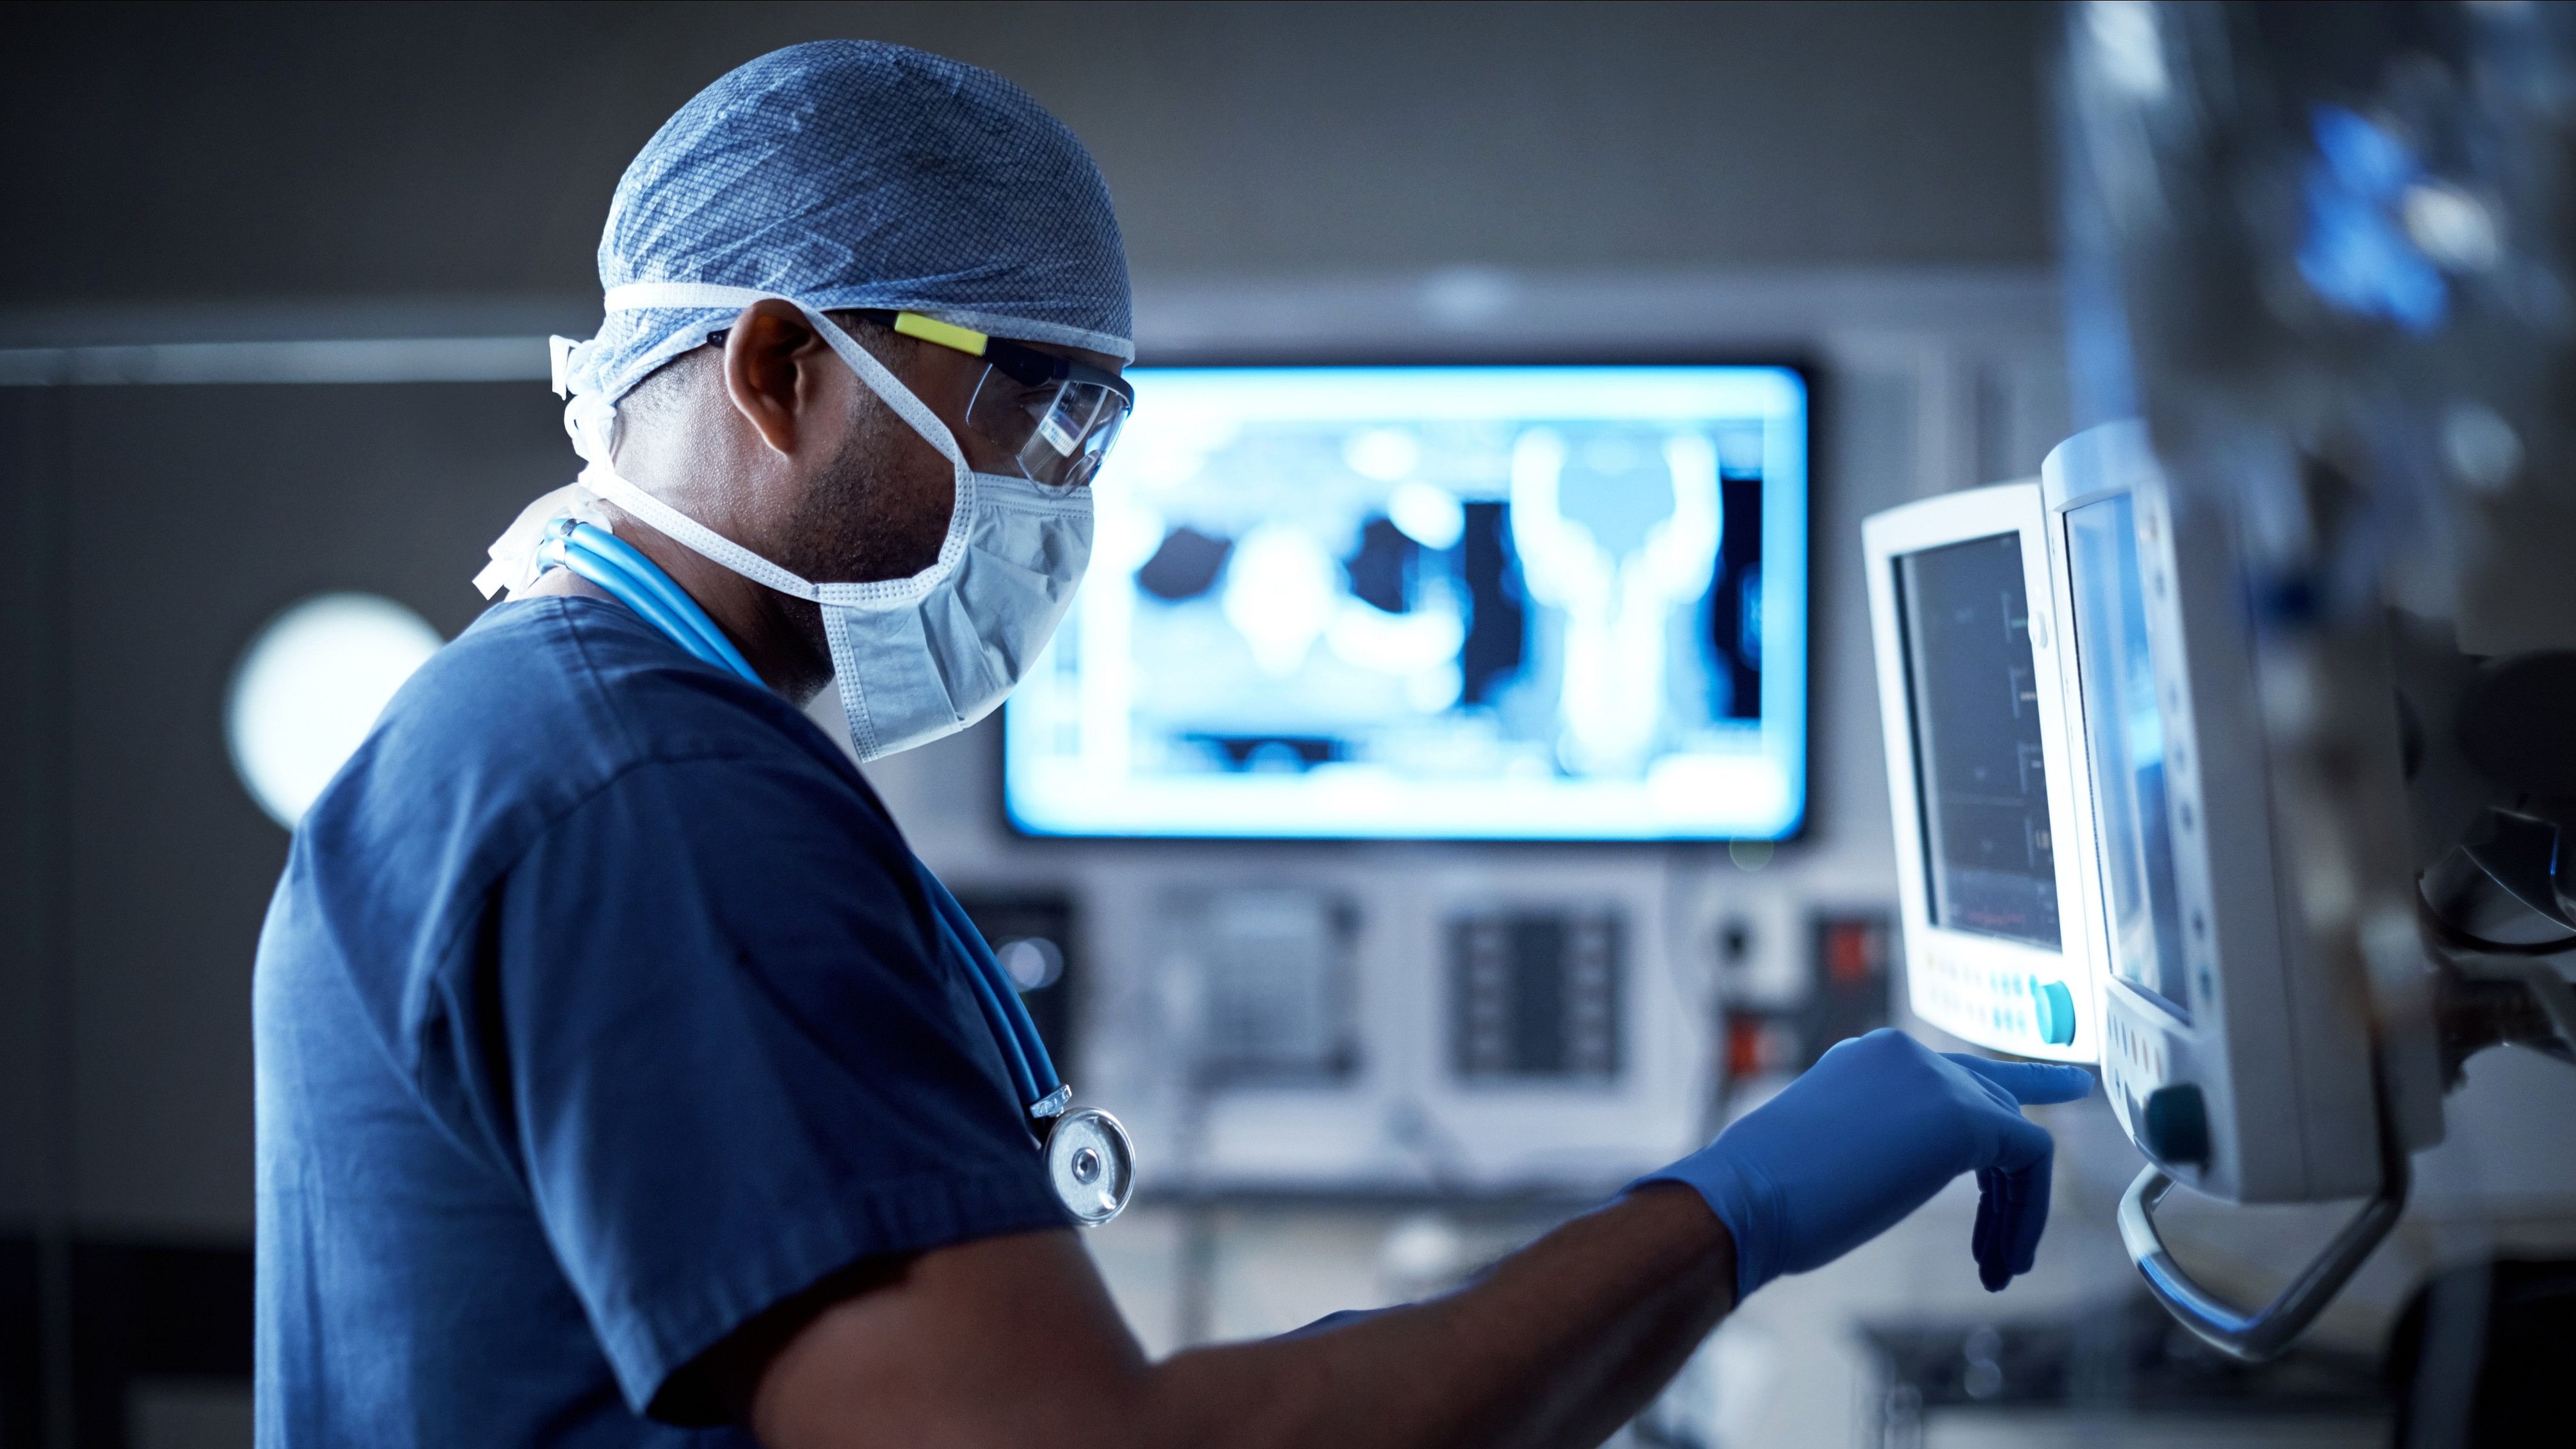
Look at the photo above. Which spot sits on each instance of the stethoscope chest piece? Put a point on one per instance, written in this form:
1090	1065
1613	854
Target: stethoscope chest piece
1092	1165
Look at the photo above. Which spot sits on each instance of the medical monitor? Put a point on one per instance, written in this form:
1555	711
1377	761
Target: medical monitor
1439	602
2231	1055
1982	772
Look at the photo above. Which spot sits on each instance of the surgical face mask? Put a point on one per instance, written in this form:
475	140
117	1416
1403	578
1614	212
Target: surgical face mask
916	658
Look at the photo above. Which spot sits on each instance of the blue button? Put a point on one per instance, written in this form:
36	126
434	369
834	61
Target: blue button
2055	1007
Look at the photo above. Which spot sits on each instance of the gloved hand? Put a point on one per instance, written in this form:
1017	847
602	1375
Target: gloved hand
1868	1135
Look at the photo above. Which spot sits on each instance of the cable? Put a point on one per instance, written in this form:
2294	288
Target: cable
1017	1027
647	575
623	588
650	576
996	1020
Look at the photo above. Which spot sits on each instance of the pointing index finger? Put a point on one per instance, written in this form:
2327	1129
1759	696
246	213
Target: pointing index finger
2032	1083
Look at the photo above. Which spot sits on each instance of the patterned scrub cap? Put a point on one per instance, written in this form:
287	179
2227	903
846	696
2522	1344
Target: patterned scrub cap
856	174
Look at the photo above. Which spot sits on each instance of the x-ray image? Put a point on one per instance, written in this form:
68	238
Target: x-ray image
1459	602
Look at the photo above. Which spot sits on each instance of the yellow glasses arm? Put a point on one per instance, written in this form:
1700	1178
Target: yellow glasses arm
946	334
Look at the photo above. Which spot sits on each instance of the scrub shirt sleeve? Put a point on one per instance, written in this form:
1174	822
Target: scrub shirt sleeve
727	1061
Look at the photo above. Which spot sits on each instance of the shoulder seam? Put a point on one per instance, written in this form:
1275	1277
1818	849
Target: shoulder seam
437	981
444	947
597	694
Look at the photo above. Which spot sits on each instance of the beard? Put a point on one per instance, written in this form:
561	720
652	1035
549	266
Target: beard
878	510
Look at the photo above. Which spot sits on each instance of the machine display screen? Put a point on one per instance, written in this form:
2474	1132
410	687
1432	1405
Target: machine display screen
1558	603
2126	736
1979	772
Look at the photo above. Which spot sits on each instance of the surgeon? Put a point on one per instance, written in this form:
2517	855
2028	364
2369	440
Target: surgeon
623	1079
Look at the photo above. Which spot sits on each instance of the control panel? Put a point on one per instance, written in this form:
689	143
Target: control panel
1535	995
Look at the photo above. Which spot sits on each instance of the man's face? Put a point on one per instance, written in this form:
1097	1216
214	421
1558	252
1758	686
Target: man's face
879	508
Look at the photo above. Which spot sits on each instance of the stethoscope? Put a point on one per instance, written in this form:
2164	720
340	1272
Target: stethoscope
1088	1157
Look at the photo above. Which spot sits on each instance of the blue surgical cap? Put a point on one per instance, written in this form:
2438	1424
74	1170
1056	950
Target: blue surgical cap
855	174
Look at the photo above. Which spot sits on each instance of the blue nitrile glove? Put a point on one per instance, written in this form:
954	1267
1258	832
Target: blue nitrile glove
1868	1135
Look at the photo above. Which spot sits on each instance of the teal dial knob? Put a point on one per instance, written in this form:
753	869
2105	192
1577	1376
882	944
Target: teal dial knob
2052	1008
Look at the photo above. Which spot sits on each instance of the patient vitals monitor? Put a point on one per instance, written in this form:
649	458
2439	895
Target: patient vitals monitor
2231	1054
2089	860
1983	771
2084	833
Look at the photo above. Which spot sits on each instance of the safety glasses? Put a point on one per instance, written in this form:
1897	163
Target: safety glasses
1055	417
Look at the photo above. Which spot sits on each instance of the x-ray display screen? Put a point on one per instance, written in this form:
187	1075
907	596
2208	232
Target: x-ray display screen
1978	766
2141	902
1561	603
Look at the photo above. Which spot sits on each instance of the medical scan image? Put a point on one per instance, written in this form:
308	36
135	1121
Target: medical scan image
1447	602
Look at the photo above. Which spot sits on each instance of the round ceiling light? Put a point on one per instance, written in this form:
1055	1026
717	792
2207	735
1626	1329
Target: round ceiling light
309	688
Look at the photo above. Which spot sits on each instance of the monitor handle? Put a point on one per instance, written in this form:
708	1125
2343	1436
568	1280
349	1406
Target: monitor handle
2264	1333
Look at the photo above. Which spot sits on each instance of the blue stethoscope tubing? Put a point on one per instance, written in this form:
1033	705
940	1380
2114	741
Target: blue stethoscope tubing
623	571
639	583
1023	1050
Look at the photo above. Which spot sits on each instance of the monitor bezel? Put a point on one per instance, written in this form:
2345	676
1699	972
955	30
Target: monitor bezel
1797	364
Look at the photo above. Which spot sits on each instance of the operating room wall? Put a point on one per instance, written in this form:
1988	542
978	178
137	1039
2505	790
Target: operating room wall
163	864
198	154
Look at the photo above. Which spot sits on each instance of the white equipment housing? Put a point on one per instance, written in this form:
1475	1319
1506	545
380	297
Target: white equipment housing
1993	857
2231	1060
2093	864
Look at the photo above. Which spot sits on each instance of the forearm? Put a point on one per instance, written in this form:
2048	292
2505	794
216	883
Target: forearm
1014	1340
1558	1345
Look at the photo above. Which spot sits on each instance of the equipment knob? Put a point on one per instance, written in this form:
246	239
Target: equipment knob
2175	1126
2053	1008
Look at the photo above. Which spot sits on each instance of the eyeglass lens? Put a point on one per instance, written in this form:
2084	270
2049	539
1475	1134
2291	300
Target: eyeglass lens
1058	434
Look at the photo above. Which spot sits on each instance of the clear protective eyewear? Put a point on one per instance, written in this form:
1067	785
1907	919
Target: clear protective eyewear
1054	416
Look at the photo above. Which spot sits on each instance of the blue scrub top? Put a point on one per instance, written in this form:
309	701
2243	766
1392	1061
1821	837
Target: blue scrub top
599	1011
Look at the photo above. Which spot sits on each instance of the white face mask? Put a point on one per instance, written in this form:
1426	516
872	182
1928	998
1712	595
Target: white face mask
916	658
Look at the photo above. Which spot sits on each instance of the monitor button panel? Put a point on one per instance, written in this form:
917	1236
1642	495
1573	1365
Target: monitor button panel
2027	1009
2163	1095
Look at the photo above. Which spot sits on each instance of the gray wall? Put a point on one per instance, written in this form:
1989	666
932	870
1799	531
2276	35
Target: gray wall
180	520
293	153
328	172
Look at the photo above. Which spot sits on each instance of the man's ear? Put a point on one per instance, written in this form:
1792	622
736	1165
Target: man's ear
771	370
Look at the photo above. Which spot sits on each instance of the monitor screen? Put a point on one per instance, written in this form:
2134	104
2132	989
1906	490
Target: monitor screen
2126	735
1547	603
1979	774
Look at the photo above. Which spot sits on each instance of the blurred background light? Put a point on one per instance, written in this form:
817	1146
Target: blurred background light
309	688
1034	962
